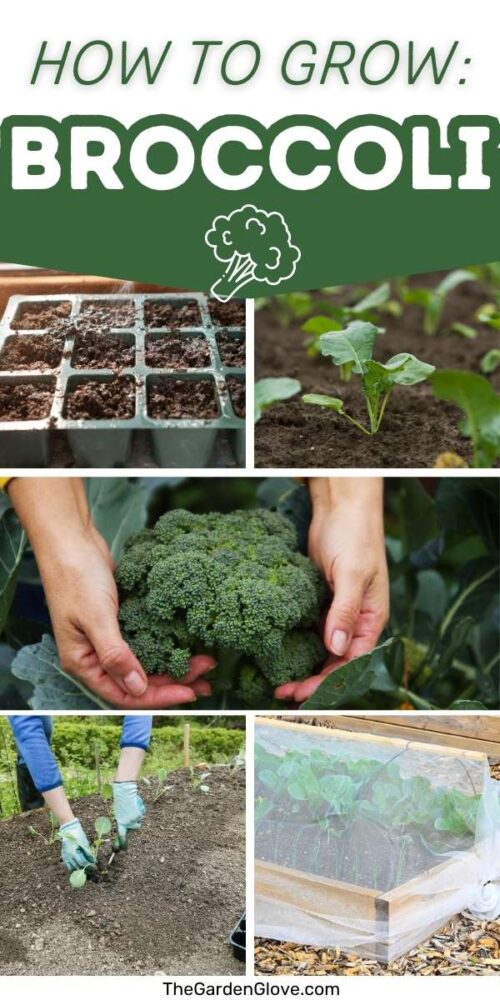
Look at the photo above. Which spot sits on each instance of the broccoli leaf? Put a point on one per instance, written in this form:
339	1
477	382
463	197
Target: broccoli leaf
12	545
467	706
378	297
118	509
481	404
349	682
268	391
402	369
321	325
352	345
490	361
332	402
39	665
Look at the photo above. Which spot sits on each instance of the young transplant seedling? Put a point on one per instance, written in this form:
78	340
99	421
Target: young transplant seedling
433	300
354	347
102	828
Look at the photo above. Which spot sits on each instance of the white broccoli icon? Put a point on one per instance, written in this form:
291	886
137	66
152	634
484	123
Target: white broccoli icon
256	246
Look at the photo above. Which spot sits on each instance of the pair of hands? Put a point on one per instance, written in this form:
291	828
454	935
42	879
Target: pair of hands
129	811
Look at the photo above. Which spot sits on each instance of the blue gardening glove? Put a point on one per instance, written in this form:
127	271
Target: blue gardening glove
76	851
129	809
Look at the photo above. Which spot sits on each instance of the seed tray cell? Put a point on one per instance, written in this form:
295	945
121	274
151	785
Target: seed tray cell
238	939
102	441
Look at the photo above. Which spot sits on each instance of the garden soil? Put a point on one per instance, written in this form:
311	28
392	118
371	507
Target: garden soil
416	428
167	907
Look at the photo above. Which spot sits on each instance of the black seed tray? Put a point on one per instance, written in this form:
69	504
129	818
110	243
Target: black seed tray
238	939
176	443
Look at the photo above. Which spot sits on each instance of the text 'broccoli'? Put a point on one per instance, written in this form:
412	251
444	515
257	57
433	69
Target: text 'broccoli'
229	584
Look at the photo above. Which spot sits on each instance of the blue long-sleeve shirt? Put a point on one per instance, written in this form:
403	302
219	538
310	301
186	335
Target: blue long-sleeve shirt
32	736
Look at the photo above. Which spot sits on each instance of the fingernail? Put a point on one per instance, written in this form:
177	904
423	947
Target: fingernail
135	684
339	642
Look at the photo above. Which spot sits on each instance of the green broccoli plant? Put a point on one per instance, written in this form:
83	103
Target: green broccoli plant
234	585
433	300
339	316
481	405
255	245
268	391
102	827
353	347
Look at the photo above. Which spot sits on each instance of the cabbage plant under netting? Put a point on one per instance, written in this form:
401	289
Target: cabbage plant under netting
370	844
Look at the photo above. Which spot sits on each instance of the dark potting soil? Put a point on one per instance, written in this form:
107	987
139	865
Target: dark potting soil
237	393
102	350
168	904
166	314
38	352
40	315
26	400
108	399
416	427
107	314
231	349
230	313
170	351
175	399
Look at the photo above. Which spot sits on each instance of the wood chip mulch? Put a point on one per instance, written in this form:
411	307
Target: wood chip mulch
465	947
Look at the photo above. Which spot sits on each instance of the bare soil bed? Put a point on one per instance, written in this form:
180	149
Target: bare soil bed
108	399
177	352
38	352
168	904
416	427
231	350
25	400
165	314
176	399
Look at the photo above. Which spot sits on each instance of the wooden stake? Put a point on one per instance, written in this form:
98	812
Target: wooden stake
186	756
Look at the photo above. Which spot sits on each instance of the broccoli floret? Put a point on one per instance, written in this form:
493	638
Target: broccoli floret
232	584
252	686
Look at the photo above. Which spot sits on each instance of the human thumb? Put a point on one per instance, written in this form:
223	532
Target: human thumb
343	614
115	656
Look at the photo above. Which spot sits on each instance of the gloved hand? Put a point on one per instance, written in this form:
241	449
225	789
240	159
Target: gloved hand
76	851
129	809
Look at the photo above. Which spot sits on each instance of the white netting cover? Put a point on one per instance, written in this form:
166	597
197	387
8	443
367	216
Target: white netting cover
369	844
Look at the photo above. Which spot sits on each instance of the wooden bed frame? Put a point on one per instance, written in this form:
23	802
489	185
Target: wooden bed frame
314	896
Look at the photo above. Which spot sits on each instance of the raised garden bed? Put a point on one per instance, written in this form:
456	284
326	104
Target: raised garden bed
112	358
365	843
166	907
417	427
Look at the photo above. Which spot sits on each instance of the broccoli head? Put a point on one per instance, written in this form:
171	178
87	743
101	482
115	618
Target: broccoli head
232	584
256	246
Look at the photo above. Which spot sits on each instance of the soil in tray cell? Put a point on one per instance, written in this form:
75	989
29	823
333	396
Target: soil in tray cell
177	352
237	393
36	352
25	400
107	314
230	313
231	350
163	315
40	315
182	399
106	399
101	350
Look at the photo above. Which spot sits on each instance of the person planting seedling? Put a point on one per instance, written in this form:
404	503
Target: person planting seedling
32	734
256	246
352	350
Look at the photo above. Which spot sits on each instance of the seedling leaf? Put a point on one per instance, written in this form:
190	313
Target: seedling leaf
330	401
273	390
77	879
490	361
481	404
352	345
102	826
107	792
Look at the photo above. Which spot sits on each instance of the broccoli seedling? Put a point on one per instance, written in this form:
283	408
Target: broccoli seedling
256	246
432	300
234	585
354	346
